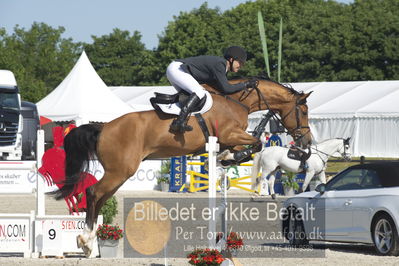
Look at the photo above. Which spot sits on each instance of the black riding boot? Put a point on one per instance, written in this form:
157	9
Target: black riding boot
245	155
180	123
305	156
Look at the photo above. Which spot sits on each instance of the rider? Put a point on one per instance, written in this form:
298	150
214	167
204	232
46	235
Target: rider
188	73
304	155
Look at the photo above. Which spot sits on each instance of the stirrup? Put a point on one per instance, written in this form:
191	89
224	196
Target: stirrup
304	166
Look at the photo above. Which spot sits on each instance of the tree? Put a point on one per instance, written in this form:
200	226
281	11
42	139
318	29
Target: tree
201	31
374	53
39	58
121	59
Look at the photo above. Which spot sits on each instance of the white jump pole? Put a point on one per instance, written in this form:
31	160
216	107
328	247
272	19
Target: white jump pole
212	147
214	173
40	198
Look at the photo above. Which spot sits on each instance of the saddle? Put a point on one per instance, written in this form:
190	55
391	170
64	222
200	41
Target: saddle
297	154
181	98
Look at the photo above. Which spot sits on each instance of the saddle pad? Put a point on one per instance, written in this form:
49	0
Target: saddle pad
174	108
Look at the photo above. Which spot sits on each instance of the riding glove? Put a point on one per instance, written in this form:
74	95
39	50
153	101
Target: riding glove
252	83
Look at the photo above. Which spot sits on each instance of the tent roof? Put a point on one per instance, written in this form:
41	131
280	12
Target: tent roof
82	96
328	100
351	99
138	98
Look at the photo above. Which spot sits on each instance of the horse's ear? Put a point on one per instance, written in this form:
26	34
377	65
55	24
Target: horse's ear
306	95
346	141
303	97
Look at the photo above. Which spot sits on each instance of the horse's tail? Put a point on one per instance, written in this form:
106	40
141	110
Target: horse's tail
255	170
80	146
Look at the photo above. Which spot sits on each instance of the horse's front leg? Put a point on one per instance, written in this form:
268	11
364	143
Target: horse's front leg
322	177
237	139
309	175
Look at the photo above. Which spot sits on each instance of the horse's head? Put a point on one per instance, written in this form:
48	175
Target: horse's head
344	149
288	103
294	117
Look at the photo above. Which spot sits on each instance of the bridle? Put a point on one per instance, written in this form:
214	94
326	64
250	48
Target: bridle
345	154
295	132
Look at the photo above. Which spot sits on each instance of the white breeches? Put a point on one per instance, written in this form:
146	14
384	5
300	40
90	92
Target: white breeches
182	80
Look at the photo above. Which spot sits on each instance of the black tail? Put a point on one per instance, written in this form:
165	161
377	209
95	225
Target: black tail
80	146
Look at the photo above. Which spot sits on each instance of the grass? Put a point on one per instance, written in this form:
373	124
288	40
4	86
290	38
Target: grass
339	165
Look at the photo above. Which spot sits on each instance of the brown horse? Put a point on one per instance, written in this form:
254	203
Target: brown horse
123	143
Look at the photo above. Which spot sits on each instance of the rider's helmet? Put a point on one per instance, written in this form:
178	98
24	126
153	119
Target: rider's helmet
237	53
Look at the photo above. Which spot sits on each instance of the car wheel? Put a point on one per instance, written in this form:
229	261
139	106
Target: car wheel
296	231
385	236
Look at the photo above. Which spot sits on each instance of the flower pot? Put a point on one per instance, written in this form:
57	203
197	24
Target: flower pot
164	187
234	252
289	191
108	248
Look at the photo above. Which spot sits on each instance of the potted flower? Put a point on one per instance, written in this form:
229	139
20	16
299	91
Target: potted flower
164	174
204	257
234	241
108	239
109	235
289	184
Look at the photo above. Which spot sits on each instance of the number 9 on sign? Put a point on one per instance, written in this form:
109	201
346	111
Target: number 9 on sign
52	233
52	238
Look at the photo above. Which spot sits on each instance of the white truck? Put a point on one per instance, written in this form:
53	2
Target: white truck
11	121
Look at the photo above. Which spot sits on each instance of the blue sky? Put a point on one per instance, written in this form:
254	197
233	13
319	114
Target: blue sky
83	18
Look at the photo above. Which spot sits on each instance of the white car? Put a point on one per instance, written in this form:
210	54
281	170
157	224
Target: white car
358	205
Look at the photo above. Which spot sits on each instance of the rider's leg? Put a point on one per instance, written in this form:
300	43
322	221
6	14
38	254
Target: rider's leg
183	80
180	123
240	156
305	156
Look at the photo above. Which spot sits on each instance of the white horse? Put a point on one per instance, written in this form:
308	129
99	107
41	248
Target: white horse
273	158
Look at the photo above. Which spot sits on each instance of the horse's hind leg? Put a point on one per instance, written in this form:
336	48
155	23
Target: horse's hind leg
272	178
264	187
96	197
90	226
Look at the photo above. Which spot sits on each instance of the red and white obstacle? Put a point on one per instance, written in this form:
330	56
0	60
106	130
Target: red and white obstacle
35	233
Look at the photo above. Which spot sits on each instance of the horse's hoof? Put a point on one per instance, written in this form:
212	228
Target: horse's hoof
79	241
82	244
87	251
273	196
227	162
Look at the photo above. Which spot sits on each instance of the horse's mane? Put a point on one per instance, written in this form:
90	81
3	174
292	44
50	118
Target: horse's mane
326	140
286	86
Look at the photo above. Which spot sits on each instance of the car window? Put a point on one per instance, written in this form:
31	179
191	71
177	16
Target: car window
355	179
370	179
347	180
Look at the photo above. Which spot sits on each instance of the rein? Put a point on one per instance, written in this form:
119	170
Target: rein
231	99
262	98
330	155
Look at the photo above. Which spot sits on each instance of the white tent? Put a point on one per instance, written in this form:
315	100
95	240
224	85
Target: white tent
138	98
82	96
366	111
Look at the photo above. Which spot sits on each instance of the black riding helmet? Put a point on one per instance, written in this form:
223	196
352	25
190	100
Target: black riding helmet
237	53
